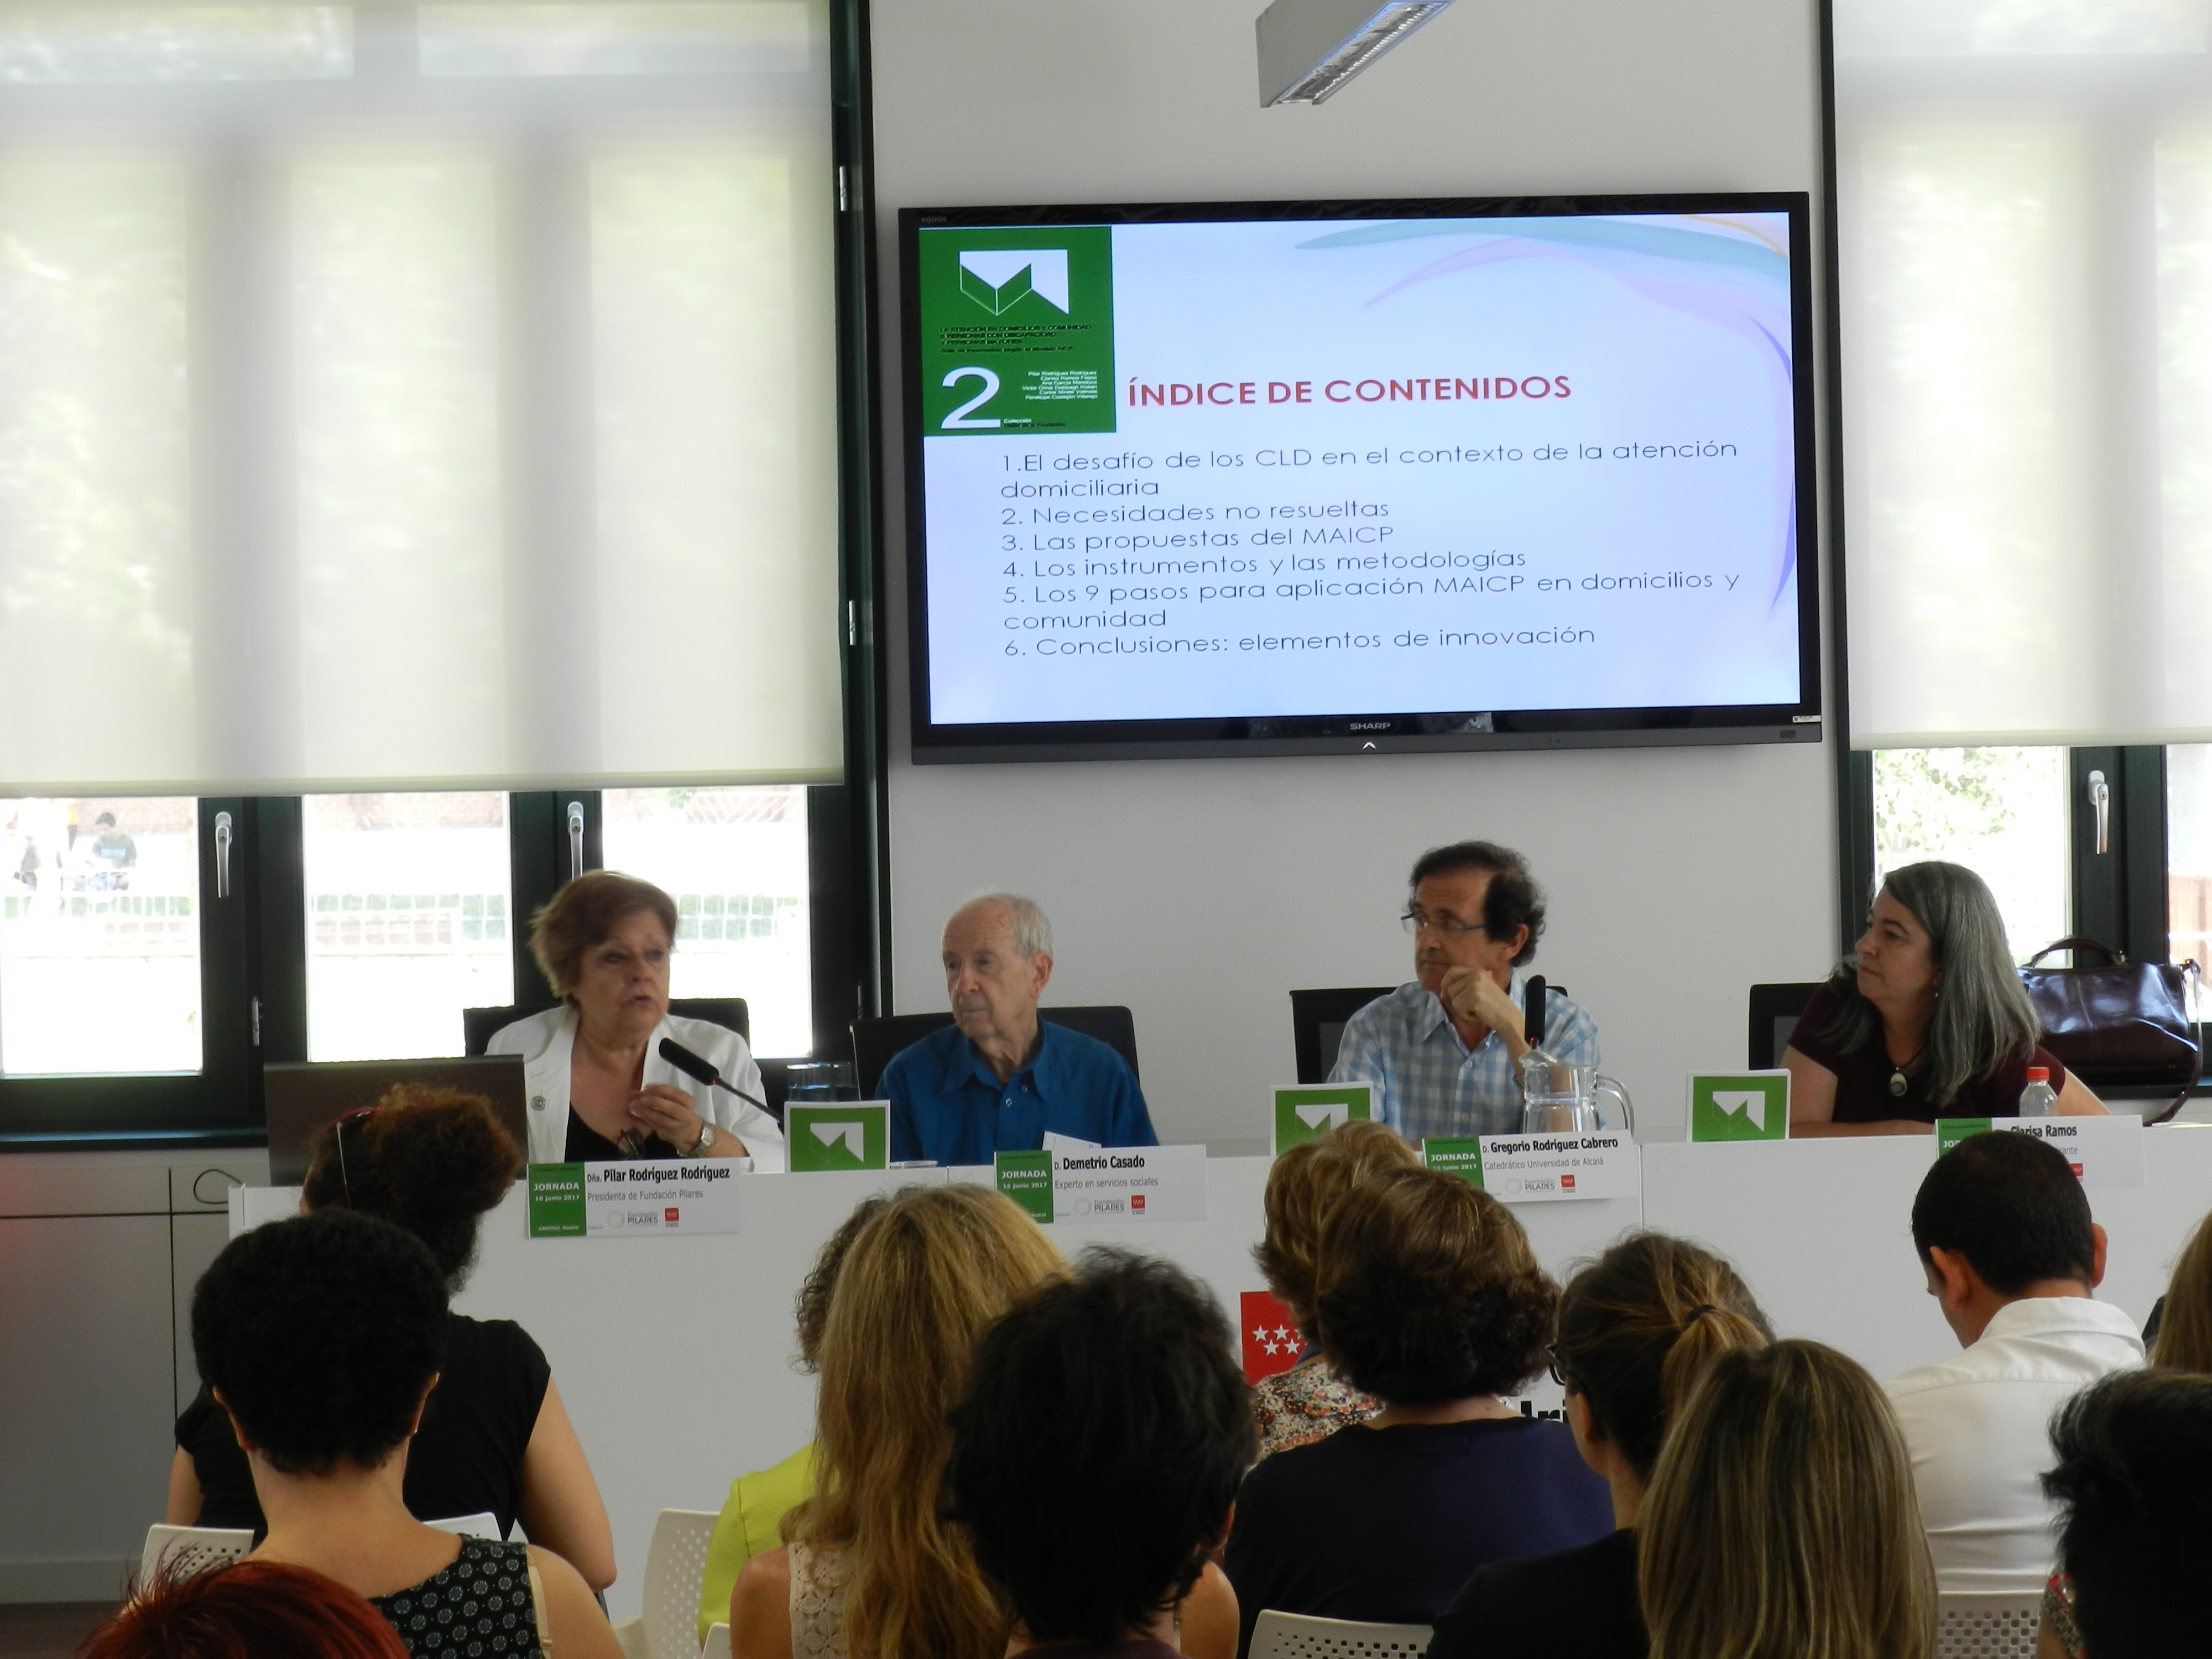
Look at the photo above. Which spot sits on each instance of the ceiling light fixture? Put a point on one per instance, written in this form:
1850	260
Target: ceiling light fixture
1310	48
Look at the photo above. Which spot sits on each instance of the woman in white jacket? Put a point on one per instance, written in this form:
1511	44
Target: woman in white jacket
598	1087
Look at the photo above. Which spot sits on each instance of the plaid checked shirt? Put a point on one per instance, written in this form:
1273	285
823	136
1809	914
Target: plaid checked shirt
1428	1083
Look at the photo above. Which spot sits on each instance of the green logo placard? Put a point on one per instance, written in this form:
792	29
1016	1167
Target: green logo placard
849	1136
556	1201
1457	1155
1950	1130
1304	1112
1026	1178
1016	329
1740	1106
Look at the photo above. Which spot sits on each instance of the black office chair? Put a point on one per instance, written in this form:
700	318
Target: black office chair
875	1042
478	1024
1774	1011
1317	1022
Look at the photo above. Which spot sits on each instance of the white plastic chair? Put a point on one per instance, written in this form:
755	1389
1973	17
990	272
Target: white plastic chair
484	1524
718	1643
184	1551
1987	1624
1298	1636
675	1567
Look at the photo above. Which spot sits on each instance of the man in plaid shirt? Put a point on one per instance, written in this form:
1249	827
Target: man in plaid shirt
1444	1051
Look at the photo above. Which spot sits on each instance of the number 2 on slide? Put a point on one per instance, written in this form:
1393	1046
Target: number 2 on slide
958	420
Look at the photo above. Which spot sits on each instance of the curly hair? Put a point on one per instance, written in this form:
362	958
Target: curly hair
1511	900
821	1284
320	1336
1427	1290
429	1159
246	1610
1304	1185
586	912
1099	1446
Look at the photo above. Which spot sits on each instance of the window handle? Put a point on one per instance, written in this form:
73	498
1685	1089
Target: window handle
575	839
2100	802
223	840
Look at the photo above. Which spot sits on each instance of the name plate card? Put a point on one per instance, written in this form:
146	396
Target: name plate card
1113	1183
1542	1169
855	1135
2107	1152
632	1198
1307	1111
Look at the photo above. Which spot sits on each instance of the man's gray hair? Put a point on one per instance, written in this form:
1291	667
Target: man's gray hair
1032	927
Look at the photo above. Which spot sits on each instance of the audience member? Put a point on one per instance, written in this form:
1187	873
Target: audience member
751	1519
1428	1298
322	1338
2134	1486
1637	1329
245	1610
998	1078
2181	1340
1780	1523
2011	1256
872	1570
1927	1019
1095	1456
495	1437
1302	1404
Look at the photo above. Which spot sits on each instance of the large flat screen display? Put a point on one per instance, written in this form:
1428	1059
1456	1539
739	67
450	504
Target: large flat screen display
1345	476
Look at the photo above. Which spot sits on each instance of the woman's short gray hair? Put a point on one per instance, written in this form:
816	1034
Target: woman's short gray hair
1032	927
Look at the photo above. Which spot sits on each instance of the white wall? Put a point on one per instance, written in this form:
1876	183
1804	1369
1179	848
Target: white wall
1201	892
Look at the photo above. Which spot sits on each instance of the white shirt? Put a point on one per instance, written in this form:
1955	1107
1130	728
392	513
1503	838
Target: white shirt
1979	1427
546	1041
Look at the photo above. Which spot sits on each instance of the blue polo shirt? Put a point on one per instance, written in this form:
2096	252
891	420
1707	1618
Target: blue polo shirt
948	1106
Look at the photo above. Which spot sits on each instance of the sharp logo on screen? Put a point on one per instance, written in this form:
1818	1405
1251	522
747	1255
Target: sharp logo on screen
999	278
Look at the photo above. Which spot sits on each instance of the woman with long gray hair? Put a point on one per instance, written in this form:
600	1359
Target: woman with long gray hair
1926	1020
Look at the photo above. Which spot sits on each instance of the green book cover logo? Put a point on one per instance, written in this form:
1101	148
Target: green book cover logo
1740	1106
1950	1130
1026	1178
1016	329
556	1201
842	1137
1455	1155
1307	1114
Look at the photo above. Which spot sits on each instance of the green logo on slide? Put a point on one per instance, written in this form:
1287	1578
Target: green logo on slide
1016	329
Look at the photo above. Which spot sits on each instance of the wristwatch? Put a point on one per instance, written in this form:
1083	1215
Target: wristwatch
706	1139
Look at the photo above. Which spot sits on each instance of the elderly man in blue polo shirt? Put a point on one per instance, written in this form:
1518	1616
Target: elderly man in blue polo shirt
998	1078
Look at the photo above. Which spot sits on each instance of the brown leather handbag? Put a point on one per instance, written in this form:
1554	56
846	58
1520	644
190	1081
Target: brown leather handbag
2118	1023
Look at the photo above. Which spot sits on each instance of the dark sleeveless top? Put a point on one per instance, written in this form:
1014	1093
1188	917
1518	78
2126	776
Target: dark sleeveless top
479	1608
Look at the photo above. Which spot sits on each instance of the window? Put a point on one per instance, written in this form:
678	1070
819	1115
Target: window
408	921
2002	813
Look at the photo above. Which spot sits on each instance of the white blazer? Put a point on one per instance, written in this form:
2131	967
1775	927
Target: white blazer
545	1042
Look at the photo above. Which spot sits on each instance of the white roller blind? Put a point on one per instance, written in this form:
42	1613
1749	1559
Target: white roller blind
2025	194
415	397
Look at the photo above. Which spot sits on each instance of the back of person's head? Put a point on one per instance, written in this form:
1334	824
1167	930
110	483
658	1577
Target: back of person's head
2011	1205
919	1284
2185	1326
814	1296
1305	1186
1638	1328
2135	1483
246	1610
322	1334
1099	1447
1782	1522
427	1159
1426	1290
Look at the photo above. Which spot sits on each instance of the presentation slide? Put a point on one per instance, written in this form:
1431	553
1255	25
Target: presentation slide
1262	467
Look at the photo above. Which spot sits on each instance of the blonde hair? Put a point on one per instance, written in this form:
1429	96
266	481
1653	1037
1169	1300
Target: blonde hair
2185	1328
1782	1522
1305	1186
917	1289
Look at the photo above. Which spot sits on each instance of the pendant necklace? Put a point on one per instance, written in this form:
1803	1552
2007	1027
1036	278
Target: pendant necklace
1898	1086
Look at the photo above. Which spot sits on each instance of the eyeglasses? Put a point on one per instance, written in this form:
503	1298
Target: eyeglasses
1414	920
1560	1374
337	1131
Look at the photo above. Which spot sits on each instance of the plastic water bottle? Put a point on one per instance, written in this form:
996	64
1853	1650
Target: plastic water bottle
2037	1099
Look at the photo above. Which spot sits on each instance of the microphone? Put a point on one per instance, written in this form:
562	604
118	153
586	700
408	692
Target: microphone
697	1066
1532	1010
